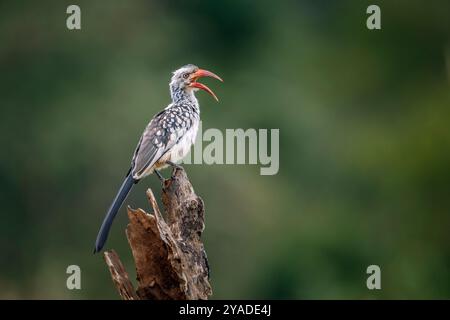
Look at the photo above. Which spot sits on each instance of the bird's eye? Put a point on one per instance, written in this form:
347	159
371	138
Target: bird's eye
185	75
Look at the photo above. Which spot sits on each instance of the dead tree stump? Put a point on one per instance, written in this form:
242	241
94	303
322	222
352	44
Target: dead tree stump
170	258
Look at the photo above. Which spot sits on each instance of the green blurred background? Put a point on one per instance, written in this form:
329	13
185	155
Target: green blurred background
364	140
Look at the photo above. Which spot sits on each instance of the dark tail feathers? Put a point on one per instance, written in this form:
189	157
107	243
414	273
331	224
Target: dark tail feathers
115	206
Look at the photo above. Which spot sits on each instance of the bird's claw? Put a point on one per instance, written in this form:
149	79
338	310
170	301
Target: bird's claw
174	165
160	177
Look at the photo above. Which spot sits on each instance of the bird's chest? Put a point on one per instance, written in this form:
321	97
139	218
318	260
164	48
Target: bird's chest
184	143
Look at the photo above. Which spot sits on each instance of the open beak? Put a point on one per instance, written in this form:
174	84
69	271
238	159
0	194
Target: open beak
204	73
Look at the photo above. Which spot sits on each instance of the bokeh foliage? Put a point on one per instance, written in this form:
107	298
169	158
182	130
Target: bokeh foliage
364	141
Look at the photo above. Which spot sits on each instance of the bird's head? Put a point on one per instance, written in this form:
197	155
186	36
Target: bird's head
185	79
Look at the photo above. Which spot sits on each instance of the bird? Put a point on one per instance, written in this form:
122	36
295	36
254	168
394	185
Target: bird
166	140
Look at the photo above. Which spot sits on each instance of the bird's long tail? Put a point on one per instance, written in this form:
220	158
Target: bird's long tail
115	206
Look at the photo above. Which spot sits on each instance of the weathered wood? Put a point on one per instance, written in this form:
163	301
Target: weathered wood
120	276
170	258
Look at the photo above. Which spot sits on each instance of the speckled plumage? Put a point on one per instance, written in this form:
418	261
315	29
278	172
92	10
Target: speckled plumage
171	132
168	137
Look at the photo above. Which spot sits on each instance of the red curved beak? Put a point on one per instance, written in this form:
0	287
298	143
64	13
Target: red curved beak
204	73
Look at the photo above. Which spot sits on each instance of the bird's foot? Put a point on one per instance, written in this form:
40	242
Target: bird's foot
174	165
160	177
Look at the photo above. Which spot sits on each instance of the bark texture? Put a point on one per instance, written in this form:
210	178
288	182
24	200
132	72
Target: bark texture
169	255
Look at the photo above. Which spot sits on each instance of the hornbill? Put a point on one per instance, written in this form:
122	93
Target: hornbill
166	140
